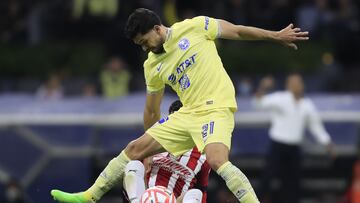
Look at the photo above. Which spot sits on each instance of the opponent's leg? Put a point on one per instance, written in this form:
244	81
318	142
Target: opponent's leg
112	174
134	181
217	155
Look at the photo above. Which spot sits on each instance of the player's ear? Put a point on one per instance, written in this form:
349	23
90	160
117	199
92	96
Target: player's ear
157	28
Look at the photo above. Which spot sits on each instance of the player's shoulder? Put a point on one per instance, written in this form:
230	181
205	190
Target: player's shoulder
151	59
191	22
148	70
147	62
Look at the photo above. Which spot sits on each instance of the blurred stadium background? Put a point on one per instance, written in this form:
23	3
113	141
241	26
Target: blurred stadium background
72	89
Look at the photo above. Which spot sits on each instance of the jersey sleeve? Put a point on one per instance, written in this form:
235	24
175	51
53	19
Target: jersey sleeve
153	82
206	26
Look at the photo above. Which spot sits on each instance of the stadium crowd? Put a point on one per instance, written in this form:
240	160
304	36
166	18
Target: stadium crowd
27	23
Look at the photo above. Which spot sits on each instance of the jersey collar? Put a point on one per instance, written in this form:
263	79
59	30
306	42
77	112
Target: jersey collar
167	43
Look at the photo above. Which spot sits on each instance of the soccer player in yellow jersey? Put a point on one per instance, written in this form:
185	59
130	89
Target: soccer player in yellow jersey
184	56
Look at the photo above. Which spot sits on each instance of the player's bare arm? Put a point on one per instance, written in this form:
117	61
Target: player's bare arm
152	108
286	36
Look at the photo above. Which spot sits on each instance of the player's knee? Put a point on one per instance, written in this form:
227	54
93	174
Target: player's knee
133	150
216	154
215	162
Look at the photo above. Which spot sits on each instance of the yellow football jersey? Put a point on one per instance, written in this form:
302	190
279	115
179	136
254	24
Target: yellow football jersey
192	66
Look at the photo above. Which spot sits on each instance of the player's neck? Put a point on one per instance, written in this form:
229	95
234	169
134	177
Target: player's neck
165	33
298	96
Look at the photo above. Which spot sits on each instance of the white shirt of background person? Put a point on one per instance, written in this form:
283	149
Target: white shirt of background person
290	117
291	113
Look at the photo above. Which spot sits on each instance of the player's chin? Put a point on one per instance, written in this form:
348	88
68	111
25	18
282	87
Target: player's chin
155	51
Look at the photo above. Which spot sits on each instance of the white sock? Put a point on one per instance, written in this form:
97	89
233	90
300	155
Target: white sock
193	196
134	181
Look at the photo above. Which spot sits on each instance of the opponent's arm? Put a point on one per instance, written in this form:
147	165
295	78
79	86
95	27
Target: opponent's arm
152	108
286	36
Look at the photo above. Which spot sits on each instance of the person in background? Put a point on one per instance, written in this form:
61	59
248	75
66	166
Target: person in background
52	89
245	86
115	79
14	193
89	90
291	113
13	21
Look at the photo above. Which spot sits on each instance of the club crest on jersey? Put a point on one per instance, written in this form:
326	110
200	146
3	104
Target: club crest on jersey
184	44
184	82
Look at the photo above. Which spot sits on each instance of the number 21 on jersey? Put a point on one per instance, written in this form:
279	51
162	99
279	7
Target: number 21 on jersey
207	129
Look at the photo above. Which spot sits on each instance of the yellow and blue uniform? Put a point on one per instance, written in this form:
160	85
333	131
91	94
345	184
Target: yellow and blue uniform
193	68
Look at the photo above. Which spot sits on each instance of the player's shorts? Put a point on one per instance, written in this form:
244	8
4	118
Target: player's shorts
180	131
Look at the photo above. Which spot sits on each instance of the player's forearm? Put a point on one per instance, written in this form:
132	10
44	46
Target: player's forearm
254	33
286	36
150	117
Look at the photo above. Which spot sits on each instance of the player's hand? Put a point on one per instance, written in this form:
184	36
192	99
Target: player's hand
289	35
147	164
330	148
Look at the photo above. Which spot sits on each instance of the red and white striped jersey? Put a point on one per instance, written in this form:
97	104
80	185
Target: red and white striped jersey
179	174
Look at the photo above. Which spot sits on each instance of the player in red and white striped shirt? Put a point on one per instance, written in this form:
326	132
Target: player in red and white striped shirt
179	174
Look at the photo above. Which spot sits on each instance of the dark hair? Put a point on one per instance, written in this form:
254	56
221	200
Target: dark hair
141	21
175	106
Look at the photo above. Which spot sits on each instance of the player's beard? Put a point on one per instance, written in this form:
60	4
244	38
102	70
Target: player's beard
159	49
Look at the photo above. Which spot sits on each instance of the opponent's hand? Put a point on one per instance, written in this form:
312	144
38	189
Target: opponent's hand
289	35
147	164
